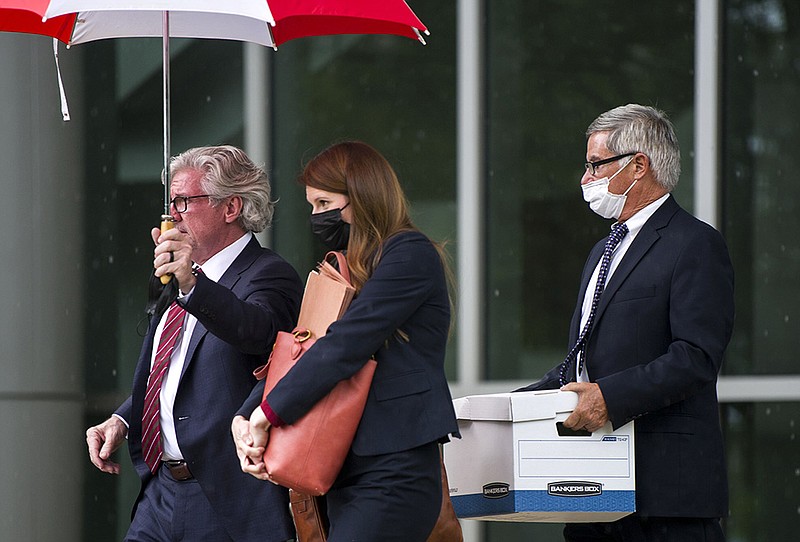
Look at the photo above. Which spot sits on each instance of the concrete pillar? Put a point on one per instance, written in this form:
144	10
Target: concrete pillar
42	447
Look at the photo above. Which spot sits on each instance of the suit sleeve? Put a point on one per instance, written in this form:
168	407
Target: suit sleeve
252	401
700	319
270	303
401	282
124	410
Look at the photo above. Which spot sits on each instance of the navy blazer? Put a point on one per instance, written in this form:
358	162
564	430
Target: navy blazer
409	403
660	332
237	321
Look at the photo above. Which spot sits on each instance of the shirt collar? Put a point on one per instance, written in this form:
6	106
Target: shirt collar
217	264
636	222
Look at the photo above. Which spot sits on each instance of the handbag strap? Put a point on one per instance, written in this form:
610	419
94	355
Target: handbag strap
341	263
300	335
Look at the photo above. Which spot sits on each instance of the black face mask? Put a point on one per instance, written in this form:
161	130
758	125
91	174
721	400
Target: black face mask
329	228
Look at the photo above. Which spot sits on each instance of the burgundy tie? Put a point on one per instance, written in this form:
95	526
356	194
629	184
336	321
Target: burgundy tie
151	426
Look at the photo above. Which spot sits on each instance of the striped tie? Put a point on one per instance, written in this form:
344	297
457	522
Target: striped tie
618	231
151	426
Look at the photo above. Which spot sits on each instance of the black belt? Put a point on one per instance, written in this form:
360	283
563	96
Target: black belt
179	470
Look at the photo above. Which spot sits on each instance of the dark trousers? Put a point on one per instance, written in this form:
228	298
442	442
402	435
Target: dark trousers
389	498
171	510
634	528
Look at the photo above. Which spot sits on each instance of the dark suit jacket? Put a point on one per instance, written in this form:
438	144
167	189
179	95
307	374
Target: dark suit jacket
409	402
656	348
238	319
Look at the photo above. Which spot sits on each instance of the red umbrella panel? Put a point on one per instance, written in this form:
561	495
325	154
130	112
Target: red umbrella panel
26	16
303	18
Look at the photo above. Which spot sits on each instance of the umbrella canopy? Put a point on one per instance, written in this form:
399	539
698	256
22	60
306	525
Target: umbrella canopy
268	23
242	20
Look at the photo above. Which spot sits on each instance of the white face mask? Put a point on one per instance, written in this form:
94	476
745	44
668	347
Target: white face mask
603	202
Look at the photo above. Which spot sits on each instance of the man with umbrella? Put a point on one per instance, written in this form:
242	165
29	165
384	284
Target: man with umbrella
196	363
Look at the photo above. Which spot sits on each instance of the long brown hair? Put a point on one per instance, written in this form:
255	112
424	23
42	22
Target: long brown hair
379	206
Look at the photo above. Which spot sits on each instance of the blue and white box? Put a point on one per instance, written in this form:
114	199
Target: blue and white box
516	462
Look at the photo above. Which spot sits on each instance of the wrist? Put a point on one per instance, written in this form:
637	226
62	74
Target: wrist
259	419
187	286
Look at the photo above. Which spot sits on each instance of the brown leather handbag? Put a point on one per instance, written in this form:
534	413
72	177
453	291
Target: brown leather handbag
308	454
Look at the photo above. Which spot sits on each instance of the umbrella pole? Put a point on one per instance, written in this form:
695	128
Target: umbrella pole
166	219
166	101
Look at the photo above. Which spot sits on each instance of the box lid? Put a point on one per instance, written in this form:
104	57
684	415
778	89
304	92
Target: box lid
515	407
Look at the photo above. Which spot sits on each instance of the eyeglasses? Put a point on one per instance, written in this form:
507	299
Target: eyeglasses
181	203
594	165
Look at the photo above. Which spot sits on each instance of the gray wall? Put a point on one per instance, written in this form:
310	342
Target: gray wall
42	447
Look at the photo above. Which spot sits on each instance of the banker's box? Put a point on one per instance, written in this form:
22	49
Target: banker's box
516	462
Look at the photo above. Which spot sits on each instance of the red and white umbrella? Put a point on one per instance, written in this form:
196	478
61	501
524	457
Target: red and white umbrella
269	23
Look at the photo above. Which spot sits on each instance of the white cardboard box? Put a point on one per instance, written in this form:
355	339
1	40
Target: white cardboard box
511	463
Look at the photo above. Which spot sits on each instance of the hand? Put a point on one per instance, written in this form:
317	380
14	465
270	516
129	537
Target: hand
251	456
591	412
173	255
103	440
259	427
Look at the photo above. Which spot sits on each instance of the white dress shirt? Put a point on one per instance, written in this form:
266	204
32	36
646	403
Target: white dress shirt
635	224
213	269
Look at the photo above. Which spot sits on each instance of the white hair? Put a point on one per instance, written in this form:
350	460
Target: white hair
639	128
228	171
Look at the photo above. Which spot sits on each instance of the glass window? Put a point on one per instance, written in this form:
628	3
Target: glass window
764	471
552	67
761	196
761	117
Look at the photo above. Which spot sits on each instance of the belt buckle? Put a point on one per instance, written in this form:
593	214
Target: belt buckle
179	470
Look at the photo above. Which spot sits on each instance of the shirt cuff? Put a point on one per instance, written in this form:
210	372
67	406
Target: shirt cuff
273	418
185	296
123	420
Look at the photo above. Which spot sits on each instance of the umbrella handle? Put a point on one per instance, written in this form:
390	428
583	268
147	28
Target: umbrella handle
167	223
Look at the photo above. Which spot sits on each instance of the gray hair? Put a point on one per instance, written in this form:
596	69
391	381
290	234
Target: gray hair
639	128
228	171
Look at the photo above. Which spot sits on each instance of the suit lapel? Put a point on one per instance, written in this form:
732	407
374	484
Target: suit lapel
647	237
241	264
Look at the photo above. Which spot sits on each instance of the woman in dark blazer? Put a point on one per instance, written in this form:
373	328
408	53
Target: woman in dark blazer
389	487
